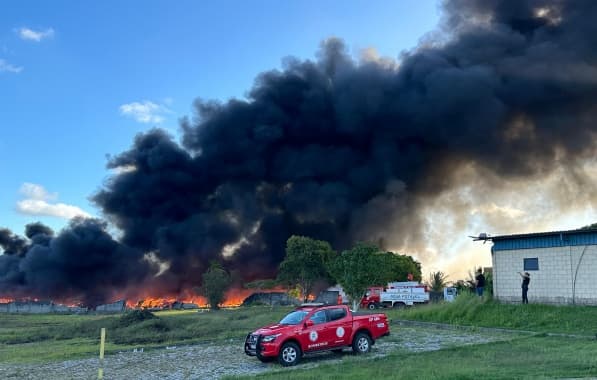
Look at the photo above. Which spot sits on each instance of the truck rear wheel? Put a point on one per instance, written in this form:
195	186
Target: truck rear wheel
371	306
361	344
290	354
399	305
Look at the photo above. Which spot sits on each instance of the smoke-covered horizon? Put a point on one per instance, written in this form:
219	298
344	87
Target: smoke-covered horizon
339	149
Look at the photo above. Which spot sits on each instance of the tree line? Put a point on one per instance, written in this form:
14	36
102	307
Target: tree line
311	263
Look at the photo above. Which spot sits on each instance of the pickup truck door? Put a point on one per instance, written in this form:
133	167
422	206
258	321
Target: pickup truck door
316	336
339	327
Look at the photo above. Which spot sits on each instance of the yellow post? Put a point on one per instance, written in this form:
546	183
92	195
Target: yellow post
100	372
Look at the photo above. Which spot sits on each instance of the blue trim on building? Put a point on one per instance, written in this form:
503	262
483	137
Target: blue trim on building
545	240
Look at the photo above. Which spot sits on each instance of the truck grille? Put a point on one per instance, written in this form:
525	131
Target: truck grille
251	344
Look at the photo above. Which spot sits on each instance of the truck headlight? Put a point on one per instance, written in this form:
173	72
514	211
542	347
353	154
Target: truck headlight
270	338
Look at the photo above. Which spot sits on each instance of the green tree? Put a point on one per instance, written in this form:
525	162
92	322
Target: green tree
215	283
397	267
489	282
357	269
305	264
437	281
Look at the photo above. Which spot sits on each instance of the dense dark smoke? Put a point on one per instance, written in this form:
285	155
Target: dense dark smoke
82	263
11	244
344	150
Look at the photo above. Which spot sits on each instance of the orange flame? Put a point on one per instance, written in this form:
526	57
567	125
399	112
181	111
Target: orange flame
235	297
145	300
232	298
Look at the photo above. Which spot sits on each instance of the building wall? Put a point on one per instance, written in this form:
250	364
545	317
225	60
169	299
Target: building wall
566	275
114	307
26	307
38	308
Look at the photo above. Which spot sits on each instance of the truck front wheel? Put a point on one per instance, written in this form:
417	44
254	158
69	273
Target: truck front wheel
371	306
361	344
290	354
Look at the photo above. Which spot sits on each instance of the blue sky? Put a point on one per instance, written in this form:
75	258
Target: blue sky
78	80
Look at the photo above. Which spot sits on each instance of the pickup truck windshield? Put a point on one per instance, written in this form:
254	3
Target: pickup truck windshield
293	318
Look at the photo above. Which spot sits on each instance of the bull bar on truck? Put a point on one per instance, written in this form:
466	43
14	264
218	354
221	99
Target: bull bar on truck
253	344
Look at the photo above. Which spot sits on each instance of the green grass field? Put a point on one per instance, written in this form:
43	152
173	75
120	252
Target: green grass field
28	338
44	338
536	357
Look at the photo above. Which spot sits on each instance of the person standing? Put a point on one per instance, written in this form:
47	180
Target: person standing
480	282
526	279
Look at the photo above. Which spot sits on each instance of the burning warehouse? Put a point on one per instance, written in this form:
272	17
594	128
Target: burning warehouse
337	149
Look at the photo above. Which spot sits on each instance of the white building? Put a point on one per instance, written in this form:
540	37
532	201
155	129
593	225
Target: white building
562	265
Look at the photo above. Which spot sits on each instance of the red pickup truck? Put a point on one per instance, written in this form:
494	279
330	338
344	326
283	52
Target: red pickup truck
315	327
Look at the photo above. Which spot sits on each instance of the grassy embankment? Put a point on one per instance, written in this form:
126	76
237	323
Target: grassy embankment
469	310
537	356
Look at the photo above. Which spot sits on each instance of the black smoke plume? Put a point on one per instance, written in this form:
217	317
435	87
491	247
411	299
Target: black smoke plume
337	149
83	263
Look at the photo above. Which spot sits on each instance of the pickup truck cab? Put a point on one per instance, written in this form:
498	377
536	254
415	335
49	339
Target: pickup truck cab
316	327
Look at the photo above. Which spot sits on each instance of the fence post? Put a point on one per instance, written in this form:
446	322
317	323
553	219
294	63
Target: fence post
100	372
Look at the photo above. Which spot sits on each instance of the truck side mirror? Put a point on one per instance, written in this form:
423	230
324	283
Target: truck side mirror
309	323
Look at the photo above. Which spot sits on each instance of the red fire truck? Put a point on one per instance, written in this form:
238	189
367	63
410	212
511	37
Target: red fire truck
316	327
395	294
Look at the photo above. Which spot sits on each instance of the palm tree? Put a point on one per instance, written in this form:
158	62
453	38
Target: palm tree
438	281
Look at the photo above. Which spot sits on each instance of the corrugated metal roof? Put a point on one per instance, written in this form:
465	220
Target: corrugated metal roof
537	234
545	239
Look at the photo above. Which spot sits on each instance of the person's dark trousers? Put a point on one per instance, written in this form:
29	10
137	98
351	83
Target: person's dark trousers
525	299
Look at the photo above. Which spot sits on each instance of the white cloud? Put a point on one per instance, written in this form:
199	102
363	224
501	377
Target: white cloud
37	192
8	67
35	35
43	208
144	112
39	202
